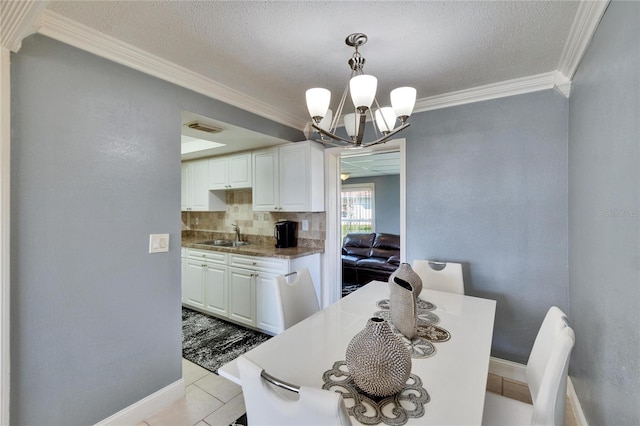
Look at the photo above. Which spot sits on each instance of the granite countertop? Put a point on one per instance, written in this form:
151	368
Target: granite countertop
263	250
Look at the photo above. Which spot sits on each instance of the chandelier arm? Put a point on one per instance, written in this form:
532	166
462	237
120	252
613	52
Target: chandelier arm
384	120
338	114
373	119
343	99
387	137
331	135
326	142
363	119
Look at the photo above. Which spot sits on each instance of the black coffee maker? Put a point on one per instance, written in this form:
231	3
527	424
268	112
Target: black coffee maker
285	233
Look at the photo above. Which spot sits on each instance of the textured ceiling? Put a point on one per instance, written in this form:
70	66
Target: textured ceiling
273	51
372	164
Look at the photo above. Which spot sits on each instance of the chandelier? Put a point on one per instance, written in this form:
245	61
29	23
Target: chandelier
362	88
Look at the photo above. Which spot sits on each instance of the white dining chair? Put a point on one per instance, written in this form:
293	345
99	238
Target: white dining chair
441	276
272	401
297	298
546	374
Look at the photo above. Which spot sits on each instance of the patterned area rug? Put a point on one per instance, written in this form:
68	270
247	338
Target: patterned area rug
211	342
349	288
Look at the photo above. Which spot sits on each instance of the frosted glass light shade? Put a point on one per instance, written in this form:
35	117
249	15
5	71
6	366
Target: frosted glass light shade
403	99
385	119
325	123
351	124
318	101
363	90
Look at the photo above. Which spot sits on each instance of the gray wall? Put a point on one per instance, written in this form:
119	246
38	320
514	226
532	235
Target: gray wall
95	168
487	187
387	197
604	230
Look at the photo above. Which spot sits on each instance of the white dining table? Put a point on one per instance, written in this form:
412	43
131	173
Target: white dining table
455	376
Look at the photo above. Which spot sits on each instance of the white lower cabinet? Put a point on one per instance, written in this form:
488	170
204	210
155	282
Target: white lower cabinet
267	316
193	284
204	281
216	289
242	296
240	288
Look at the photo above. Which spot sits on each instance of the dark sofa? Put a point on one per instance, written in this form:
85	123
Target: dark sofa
369	256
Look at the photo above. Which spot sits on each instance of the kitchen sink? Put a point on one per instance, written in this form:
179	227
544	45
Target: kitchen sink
223	243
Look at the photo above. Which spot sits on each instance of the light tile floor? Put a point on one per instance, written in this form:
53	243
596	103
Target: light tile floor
520	391
209	400
215	401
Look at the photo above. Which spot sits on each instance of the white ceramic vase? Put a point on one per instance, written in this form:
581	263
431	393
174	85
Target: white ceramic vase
406	272
402	307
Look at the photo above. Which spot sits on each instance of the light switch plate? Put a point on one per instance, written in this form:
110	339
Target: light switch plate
158	243
305	225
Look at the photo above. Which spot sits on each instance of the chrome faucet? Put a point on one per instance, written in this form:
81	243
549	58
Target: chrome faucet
236	228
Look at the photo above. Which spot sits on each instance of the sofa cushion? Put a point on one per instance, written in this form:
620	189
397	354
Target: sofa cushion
376	263
395	259
385	245
350	260
357	244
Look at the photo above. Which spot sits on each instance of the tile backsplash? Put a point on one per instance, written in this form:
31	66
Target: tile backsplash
254	226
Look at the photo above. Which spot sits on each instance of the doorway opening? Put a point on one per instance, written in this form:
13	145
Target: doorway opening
339	172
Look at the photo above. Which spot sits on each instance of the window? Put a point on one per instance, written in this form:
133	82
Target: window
358	205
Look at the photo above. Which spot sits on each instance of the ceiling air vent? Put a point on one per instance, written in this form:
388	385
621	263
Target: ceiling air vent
204	127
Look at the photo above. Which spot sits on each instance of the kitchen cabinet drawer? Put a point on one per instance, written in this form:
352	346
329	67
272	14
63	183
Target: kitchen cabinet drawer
259	264
208	256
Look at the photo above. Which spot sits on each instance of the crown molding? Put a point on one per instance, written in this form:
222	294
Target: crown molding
561	84
582	30
17	18
75	34
78	35
517	86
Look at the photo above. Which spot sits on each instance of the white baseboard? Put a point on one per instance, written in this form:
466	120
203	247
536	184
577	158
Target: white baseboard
509	369
514	371
146	407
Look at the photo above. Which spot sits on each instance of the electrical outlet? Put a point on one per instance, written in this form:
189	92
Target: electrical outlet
305	225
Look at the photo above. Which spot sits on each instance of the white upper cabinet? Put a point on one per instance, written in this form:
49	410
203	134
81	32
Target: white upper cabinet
218	173
230	172
289	178
301	167
265	180
195	194
239	171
